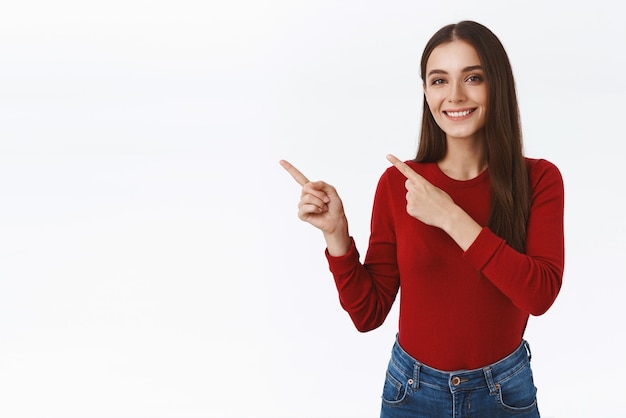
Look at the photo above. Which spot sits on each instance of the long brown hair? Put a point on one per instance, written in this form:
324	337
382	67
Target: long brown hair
510	196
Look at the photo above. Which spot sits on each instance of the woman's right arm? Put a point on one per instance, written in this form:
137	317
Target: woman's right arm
365	292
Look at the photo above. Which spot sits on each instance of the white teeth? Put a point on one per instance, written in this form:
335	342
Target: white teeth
459	114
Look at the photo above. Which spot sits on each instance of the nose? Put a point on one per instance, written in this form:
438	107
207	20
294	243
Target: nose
457	93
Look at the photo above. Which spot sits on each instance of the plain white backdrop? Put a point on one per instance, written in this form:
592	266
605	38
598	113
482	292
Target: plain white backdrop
151	260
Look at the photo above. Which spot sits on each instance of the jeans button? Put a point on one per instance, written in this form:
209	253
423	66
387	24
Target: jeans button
455	381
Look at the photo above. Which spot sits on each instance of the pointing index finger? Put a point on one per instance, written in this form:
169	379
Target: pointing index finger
407	171
295	173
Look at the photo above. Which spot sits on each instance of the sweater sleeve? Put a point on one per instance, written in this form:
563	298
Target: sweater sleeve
532	280
367	291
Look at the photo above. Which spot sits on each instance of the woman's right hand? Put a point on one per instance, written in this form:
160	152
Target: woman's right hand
321	206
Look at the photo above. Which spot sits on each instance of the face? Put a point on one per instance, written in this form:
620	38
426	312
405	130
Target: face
456	91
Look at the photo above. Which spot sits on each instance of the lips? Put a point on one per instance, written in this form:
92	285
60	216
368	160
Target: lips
458	113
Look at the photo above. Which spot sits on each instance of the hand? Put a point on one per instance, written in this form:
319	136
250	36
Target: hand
319	204
435	207
424	201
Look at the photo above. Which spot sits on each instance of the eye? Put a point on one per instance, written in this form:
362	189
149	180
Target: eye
475	78
437	81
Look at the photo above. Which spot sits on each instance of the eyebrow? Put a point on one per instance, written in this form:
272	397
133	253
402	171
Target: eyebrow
464	70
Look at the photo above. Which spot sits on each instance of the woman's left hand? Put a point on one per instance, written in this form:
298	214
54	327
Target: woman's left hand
435	207
424	201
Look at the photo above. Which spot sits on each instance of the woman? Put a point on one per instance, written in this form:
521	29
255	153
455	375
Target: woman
471	230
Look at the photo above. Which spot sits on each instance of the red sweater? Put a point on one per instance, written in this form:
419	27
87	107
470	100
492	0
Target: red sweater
458	310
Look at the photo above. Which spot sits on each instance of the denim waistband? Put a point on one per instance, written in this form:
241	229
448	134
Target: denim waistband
460	380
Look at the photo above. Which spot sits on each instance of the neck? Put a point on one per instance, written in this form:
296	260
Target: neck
464	159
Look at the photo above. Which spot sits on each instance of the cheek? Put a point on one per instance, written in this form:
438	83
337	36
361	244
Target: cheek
431	102
483	96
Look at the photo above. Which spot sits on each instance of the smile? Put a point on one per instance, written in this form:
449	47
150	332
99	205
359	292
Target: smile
459	114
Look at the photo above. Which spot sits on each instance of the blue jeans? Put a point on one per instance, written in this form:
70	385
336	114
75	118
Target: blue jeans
502	389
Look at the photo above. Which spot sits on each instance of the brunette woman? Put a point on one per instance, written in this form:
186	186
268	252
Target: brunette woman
471	230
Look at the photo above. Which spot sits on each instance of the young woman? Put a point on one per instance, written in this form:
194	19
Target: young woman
470	230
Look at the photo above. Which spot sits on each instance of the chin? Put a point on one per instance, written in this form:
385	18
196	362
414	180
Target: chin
462	135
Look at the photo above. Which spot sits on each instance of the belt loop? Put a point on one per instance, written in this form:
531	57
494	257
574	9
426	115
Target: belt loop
530	355
489	378
416	375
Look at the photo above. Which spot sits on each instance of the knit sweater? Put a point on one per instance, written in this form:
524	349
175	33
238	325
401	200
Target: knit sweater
458	310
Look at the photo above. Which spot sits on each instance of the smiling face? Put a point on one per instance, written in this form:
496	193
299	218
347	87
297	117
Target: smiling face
456	90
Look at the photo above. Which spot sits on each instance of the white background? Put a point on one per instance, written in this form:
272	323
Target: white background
151	261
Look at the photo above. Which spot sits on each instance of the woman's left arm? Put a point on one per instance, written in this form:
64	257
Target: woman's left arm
532	280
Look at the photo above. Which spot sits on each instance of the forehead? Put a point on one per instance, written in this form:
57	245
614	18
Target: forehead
452	56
